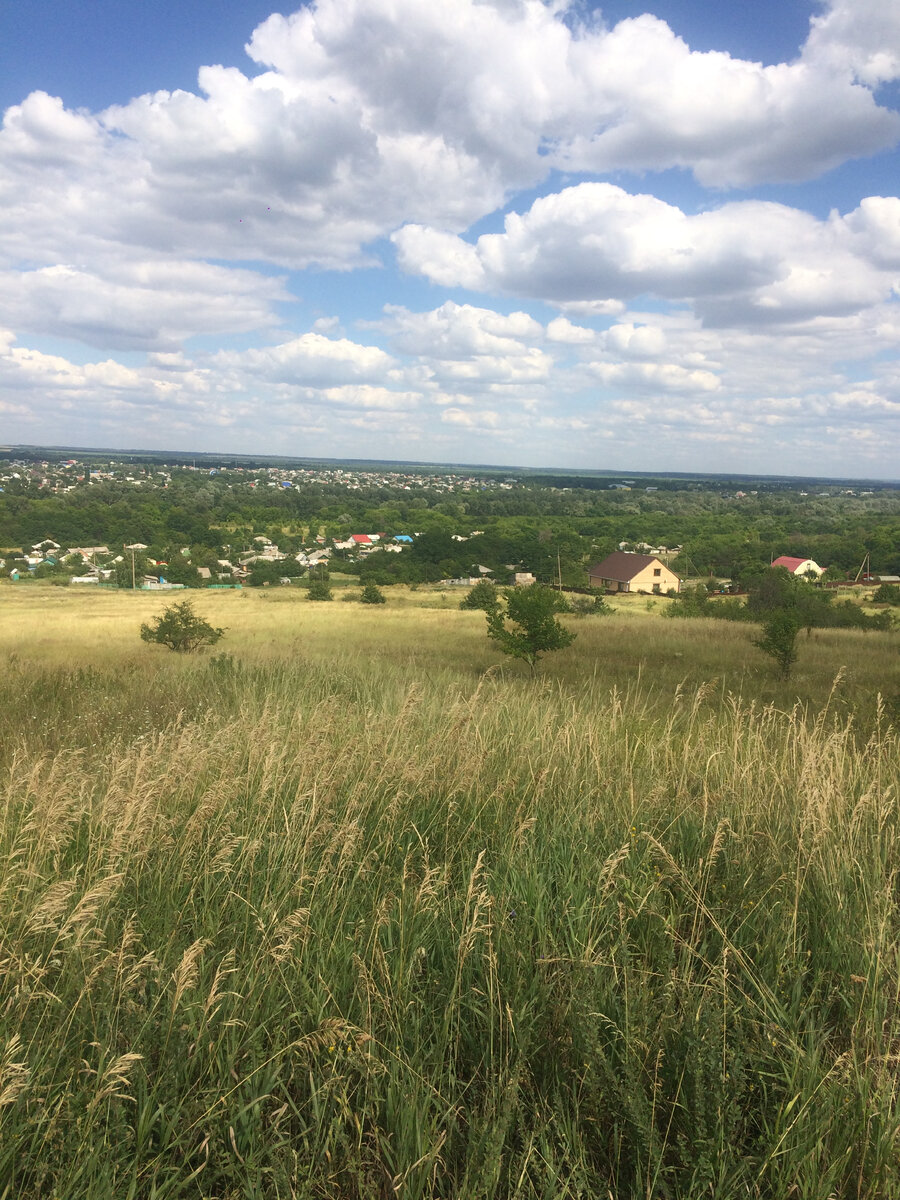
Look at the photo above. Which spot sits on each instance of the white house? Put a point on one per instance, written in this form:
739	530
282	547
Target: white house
802	567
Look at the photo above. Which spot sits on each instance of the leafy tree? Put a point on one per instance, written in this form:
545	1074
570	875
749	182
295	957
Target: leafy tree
483	595
372	594
779	640
533	629
320	589
181	629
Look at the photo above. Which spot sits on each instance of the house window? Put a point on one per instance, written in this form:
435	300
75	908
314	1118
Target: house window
657	570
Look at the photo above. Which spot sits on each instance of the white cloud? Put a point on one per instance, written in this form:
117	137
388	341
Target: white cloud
311	361
138	305
341	140
862	36
155	221
560	329
483	419
746	261
655	377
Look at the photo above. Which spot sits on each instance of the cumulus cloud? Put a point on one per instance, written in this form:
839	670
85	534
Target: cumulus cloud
310	361
369	114
159	220
745	261
478	348
561	329
138	305
862	36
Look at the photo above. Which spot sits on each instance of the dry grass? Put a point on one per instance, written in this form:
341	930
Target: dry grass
357	910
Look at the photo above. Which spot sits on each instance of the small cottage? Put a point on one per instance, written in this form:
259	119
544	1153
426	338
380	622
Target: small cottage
624	572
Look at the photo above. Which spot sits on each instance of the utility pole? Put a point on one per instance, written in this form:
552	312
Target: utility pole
132	569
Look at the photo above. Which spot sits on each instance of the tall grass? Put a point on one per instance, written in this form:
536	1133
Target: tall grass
307	925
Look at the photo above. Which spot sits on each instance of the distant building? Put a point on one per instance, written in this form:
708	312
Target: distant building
624	572
799	566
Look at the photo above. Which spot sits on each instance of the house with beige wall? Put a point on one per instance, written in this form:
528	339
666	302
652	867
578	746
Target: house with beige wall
624	572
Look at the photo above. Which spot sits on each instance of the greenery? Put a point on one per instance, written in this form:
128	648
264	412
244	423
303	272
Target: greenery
371	594
779	639
527	627
319	589
262	936
544	523
887	593
637	936
181	629
584	606
483	595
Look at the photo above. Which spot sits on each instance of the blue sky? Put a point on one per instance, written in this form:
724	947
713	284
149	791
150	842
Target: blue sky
661	236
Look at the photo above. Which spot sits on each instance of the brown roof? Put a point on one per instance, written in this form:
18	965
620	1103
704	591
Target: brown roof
622	566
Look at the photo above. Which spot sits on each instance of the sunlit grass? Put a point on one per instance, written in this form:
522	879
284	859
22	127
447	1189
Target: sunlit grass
351	907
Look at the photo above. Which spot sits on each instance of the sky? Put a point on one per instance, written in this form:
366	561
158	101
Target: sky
658	236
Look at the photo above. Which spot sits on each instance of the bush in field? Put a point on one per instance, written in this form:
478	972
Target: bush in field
181	629
690	602
587	606
533	628
319	589
483	595
779	640
372	594
887	593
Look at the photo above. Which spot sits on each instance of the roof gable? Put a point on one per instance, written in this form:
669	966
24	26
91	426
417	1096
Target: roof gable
622	566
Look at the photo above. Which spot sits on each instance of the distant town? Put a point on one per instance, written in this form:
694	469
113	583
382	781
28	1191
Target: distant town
98	519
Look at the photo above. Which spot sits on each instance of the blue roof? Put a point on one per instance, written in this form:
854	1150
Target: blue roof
402	537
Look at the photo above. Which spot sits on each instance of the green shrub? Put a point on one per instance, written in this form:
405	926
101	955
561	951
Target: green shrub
887	593
779	640
533	629
181	629
483	595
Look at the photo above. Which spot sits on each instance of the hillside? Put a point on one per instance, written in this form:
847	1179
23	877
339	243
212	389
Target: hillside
354	908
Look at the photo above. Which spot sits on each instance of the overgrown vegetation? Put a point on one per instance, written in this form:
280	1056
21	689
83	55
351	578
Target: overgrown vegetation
638	941
181	629
261	935
371	594
524	623
779	640
887	593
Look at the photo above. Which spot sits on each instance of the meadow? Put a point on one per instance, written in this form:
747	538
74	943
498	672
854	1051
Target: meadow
350	906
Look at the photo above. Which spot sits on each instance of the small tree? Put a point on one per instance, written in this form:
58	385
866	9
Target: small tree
483	595
181	629
779	640
320	589
533	628
372	594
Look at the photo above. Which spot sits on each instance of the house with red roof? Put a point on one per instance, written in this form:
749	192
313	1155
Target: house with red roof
803	568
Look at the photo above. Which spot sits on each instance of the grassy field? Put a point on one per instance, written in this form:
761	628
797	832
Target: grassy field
352	908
